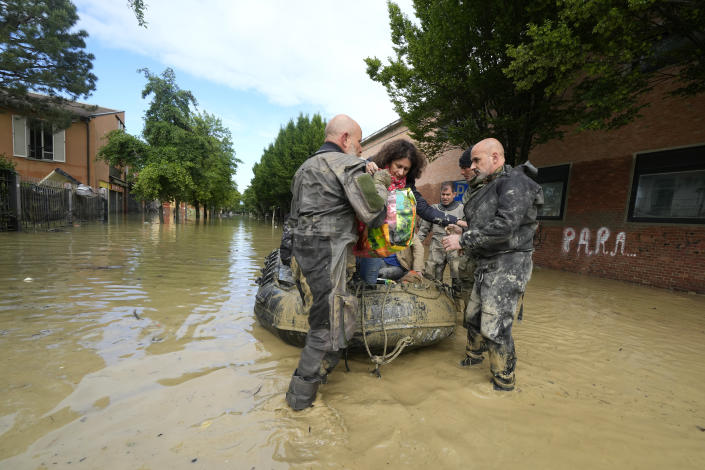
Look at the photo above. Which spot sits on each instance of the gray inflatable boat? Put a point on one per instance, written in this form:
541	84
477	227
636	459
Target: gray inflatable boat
392	316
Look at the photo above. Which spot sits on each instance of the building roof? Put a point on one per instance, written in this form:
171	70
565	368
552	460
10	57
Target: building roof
81	109
381	131
77	109
57	175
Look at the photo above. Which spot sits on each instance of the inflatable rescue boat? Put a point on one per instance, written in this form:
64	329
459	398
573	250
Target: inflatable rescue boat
392	316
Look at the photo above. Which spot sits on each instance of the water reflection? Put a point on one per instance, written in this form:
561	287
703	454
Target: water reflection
135	344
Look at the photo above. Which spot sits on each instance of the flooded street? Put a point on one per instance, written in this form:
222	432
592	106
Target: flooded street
135	345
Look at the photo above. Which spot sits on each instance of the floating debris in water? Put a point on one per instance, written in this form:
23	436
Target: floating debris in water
28	279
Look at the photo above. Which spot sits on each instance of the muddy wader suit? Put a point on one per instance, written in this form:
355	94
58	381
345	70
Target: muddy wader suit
329	190
438	257
501	225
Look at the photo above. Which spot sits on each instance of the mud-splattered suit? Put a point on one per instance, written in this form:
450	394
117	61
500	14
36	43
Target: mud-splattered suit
329	190
501	218
438	257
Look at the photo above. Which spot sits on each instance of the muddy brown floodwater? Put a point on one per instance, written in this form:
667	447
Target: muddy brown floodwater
134	345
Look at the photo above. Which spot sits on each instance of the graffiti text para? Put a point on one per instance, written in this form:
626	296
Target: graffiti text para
599	245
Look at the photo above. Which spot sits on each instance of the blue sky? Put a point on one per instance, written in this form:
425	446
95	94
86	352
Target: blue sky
254	64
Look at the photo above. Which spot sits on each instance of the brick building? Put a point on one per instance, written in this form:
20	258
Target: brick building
628	204
38	151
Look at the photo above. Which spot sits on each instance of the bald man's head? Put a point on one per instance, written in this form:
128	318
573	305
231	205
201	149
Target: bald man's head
487	156
343	131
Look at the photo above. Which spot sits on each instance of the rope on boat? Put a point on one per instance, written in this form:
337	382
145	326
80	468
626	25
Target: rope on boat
440	287
401	344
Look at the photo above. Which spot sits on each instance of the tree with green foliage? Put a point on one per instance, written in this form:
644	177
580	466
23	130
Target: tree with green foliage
249	200
139	8
41	52
163	179
169	133
215	163
123	150
186	156
447	81
524	72
6	163
271	186
604	54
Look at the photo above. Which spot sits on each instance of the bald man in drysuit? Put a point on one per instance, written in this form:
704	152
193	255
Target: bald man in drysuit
330	190
501	217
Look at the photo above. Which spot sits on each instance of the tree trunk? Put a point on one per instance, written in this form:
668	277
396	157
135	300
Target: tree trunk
198	209
205	212
161	212
177	211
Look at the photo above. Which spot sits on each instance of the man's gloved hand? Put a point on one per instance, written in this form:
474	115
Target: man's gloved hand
413	276
382	177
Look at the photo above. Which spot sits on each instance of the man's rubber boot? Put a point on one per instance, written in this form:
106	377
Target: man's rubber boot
471	360
474	356
302	392
502	384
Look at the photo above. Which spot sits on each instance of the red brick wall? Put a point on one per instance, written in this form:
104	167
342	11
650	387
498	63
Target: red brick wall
662	255
595	237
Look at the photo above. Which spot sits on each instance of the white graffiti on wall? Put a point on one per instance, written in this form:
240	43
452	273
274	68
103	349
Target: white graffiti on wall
601	244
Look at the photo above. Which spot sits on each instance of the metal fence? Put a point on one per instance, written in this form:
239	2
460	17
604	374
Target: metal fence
88	208
44	205
8	219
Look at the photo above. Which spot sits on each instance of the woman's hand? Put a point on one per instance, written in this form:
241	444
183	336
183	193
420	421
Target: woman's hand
462	223
372	168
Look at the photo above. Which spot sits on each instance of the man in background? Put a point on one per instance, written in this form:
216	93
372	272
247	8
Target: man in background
438	257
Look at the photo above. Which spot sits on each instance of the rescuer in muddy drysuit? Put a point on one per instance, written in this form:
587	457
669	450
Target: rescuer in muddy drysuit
466	263
329	190
501	217
438	257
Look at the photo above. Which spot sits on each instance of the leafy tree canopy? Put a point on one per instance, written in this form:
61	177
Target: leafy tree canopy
169	112
271	185
447	81
124	150
604	54
215	163
41	52
524	71
186	156
139	8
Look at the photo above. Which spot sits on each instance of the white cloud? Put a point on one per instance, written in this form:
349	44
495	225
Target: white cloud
307	52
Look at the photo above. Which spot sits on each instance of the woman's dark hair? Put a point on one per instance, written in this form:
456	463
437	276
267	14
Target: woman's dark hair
398	149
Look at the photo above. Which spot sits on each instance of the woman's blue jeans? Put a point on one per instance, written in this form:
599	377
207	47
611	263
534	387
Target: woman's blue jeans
368	269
